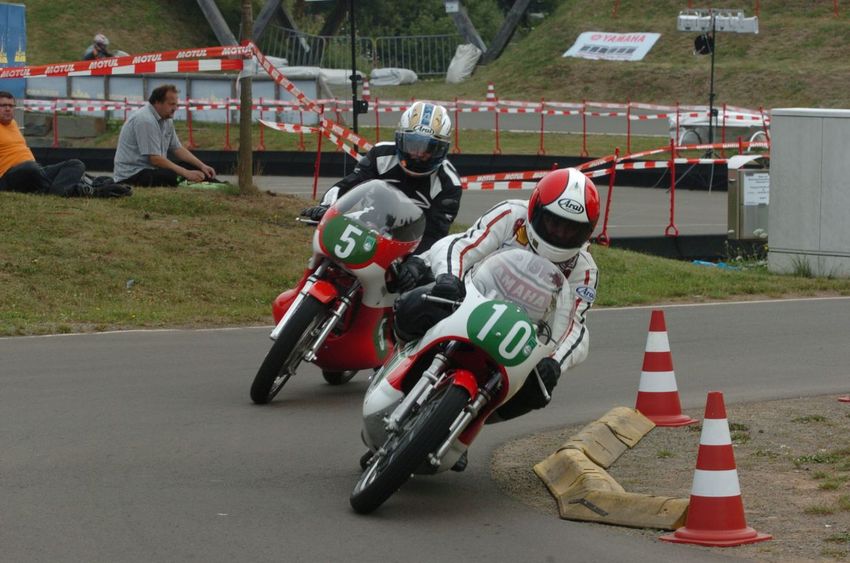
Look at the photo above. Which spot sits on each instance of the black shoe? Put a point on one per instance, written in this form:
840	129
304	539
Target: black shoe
461	463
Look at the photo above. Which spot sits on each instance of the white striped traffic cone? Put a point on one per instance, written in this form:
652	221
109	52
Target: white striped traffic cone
716	510
366	95
658	396
491	92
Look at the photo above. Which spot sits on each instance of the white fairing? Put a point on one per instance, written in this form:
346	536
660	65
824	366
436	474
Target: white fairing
492	289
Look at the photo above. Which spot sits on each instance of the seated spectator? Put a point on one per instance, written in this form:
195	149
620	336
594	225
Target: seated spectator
146	140
99	49
19	172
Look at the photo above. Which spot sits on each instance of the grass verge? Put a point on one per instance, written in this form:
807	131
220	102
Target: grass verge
185	257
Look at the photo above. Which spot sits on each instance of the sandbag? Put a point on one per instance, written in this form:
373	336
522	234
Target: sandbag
463	63
392	76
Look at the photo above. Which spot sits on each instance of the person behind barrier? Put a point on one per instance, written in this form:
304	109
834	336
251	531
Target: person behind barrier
99	49
556	223
19	171
146	141
416	164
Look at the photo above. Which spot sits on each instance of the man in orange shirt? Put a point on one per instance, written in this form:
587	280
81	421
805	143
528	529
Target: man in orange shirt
19	172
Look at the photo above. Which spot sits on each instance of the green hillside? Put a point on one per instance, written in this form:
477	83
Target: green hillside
798	58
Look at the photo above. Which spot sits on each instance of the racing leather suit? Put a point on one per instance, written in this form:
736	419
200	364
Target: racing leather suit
438	193
504	226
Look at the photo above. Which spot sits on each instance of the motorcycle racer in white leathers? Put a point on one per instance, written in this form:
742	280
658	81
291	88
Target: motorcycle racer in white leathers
556	223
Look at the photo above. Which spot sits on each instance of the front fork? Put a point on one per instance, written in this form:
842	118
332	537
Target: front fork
485	394
305	289
421	391
343	303
331	321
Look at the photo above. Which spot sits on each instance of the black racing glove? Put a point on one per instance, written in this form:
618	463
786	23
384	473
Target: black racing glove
530	396
449	286
549	371
315	213
409	273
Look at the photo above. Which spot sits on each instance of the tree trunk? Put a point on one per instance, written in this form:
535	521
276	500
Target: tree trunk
246	156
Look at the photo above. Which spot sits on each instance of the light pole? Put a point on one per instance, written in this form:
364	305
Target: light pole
712	20
357	106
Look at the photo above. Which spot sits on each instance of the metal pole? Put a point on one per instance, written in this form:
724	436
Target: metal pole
353	67
711	84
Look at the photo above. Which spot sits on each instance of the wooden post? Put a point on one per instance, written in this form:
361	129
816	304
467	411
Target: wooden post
245	162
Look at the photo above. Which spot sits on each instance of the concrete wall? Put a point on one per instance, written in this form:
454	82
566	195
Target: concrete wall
810	192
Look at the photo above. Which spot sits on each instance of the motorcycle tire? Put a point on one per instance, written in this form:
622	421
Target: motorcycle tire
286	352
338	377
407	450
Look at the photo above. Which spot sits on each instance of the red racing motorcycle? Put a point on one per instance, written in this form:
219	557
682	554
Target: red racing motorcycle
339	316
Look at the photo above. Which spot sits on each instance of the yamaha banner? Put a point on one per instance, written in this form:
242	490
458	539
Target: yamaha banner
13	45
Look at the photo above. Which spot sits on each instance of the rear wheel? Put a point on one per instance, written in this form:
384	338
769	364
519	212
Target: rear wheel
288	350
338	377
405	451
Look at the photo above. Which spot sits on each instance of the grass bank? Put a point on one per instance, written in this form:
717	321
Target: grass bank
186	257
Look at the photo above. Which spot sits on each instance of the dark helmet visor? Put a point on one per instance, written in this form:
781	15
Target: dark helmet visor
559	231
420	153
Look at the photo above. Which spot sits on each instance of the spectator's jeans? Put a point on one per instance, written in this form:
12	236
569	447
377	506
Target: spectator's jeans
61	178
150	177
154	177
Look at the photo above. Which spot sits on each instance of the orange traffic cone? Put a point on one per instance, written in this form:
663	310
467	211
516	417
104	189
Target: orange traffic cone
366	95
716	511
491	92
658	396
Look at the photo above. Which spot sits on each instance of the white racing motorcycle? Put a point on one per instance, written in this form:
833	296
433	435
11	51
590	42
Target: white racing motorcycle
426	405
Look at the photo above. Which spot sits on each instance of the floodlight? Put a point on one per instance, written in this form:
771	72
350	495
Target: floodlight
709	22
717	20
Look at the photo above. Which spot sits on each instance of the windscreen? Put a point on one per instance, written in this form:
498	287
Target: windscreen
524	278
384	209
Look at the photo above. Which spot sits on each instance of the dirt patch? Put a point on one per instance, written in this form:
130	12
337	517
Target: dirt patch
793	461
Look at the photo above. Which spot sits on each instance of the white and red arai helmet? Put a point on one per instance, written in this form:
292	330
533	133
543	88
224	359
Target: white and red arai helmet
562	213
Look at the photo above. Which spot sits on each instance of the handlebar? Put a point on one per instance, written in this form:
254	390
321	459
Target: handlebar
426	297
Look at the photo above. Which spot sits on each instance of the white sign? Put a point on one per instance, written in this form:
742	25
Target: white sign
756	188
612	46
452	6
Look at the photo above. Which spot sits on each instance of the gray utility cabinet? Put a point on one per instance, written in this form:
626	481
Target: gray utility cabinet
810	192
748	197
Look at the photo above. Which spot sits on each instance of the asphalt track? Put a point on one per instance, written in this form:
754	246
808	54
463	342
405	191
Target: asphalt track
143	446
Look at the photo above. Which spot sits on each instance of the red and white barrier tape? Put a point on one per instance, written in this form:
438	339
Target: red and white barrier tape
329	133
505	176
104	66
499	185
278	77
288	127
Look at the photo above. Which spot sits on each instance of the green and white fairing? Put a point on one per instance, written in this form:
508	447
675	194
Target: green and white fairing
510	313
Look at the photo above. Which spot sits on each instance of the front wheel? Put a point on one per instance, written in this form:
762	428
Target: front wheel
288	350
408	449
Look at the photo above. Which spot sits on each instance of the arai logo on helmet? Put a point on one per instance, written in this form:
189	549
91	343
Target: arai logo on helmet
571	206
423	129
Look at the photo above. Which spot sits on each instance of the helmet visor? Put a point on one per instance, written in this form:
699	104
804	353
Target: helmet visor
420	152
559	231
